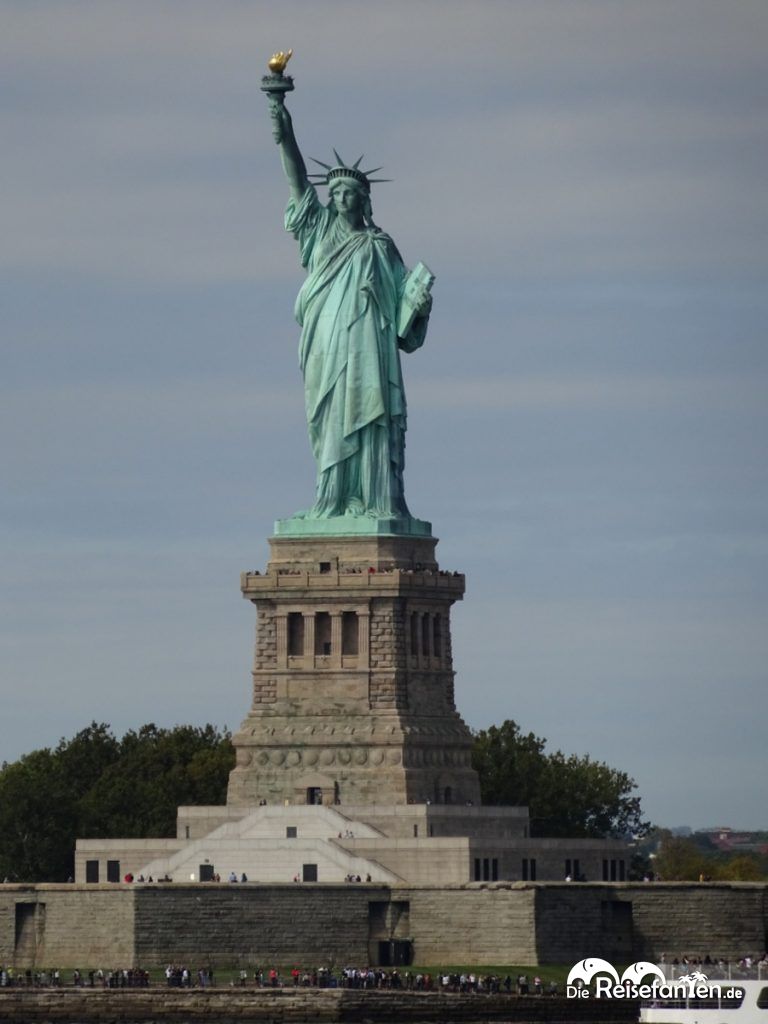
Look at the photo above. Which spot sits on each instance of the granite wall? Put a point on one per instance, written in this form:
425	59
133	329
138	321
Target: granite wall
643	920
254	924
506	923
66	925
472	924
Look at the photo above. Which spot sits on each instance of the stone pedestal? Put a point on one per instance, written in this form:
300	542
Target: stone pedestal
353	679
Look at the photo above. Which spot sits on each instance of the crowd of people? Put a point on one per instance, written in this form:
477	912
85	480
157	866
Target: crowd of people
748	965
369	978
179	976
127	977
463	983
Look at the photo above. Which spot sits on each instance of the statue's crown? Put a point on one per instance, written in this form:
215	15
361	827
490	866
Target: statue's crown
348	172
342	170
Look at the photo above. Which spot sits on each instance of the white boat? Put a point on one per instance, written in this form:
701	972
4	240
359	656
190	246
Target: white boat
742	1001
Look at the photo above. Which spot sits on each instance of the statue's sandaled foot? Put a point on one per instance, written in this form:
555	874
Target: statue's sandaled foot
354	508
383	513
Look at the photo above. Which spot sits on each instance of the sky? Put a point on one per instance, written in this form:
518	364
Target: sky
587	420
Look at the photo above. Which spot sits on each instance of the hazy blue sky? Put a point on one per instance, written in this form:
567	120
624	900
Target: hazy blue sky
587	420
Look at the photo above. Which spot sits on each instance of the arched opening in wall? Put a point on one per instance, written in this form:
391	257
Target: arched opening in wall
414	634
322	633
425	634
349	634
336	793
447	795
295	634
314	795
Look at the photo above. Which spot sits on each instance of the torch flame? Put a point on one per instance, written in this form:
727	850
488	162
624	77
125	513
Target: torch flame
278	61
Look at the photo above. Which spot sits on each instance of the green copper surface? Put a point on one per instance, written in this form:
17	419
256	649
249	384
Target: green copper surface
353	526
356	293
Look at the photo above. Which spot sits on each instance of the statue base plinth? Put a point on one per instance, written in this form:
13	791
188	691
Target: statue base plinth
353	699
353	526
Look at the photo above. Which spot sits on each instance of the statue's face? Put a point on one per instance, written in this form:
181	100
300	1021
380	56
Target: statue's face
347	197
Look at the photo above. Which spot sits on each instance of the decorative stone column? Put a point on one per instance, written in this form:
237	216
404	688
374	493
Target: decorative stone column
336	639
363	639
281	621
309	639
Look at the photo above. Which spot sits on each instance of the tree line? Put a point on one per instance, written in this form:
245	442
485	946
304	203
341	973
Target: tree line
696	858
95	785
566	795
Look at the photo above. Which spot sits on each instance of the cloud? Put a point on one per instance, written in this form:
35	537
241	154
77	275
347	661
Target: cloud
596	393
586	420
131	123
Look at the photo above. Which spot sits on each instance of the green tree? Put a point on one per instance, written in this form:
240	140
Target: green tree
96	786
566	795
82	759
680	859
158	770
36	815
742	867
509	763
690	858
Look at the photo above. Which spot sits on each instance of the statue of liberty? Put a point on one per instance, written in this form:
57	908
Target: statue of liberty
357	308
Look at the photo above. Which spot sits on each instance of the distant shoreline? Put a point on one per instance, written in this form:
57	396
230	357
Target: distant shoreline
290	1006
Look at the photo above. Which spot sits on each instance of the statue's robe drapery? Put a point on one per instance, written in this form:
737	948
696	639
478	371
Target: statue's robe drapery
353	383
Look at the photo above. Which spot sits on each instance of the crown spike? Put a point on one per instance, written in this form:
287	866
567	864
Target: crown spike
343	170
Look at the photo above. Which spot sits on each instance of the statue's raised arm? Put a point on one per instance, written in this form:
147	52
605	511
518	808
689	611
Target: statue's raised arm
276	85
283	134
358	309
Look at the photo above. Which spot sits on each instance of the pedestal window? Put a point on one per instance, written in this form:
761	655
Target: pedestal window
323	634
437	636
350	634
425	634
295	635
